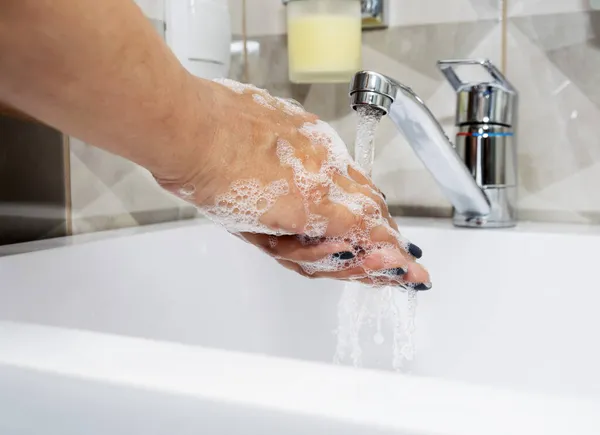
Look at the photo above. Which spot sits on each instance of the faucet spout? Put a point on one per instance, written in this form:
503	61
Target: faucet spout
426	137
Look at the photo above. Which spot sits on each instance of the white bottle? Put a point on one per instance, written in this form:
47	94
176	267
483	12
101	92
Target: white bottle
199	33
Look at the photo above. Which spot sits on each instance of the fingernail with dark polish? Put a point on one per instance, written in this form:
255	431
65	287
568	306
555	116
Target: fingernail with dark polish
384	197
415	251
346	255
397	271
421	287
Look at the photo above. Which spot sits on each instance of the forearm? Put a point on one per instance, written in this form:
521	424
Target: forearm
97	70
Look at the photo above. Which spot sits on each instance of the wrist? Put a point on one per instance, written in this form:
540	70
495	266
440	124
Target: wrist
188	150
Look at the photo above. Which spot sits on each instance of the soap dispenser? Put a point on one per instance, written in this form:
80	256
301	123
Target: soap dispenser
324	40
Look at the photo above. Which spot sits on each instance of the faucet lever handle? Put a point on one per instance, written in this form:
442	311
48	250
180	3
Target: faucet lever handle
447	68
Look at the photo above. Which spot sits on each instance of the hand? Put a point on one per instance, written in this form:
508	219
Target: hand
282	180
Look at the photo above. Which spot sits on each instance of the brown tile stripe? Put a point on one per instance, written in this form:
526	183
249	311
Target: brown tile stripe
504	29
67	184
245	41
6	110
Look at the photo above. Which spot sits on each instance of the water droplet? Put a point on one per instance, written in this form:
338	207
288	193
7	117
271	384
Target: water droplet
261	204
187	190
408	352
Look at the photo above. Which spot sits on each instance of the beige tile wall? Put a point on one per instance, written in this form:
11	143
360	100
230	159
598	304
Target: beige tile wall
109	192
548	7
553	59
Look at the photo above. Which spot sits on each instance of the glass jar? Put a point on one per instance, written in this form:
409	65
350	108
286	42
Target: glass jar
324	40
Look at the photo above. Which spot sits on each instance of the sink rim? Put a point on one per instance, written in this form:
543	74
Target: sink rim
367	397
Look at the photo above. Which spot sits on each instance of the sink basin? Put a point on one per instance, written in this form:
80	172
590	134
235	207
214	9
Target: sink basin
182	327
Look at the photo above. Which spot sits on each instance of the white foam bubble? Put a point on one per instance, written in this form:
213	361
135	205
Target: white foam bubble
291	107
273	242
263	98
241	208
235	86
187	191
260	99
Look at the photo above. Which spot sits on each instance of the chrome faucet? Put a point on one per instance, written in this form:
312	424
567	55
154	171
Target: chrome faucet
478	174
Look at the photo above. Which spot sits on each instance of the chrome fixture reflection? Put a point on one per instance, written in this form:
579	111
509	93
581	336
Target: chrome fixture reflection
478	174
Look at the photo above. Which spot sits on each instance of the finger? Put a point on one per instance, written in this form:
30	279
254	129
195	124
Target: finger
385	259
340	219
371	204
296	249
412	273
358	274
358	177
346	205
385	234
417	274
361	179
340	260
388	259
382	233
381	262
347	275
393	277
372	210
372	199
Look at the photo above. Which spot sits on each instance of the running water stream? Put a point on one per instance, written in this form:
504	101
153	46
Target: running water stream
367	316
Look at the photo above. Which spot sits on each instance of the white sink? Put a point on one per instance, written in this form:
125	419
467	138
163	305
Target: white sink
185	329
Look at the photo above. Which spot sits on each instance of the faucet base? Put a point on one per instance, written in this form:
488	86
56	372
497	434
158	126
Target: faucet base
503	213
480	222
